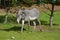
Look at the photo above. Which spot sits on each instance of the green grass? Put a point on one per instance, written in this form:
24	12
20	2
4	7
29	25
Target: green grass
12	29
45	17
29	35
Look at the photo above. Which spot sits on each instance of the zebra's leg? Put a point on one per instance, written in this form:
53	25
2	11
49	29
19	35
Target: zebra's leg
34	25
22	26
28	25
39	24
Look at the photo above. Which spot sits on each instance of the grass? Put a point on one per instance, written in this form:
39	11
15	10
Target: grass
29	35
12	29
44	16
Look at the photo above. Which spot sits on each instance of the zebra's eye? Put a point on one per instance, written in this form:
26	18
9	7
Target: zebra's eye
22	12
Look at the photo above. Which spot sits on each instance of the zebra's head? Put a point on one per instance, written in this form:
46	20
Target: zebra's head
23	10
23	14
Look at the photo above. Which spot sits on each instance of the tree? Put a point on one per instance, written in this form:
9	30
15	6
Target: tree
52	14
52	2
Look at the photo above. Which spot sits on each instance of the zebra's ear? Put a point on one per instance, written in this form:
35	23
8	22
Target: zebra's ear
22	8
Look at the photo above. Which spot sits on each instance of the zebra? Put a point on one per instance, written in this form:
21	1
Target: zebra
28	15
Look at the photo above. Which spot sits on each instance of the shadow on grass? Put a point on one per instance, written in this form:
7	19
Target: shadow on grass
15	28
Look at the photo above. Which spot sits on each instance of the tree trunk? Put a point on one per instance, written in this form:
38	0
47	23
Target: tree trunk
6	18
51	20
6	15
51	16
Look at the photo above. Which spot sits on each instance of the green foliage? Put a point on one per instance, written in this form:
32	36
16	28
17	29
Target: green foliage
28	1
57	1
38	1
53	1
